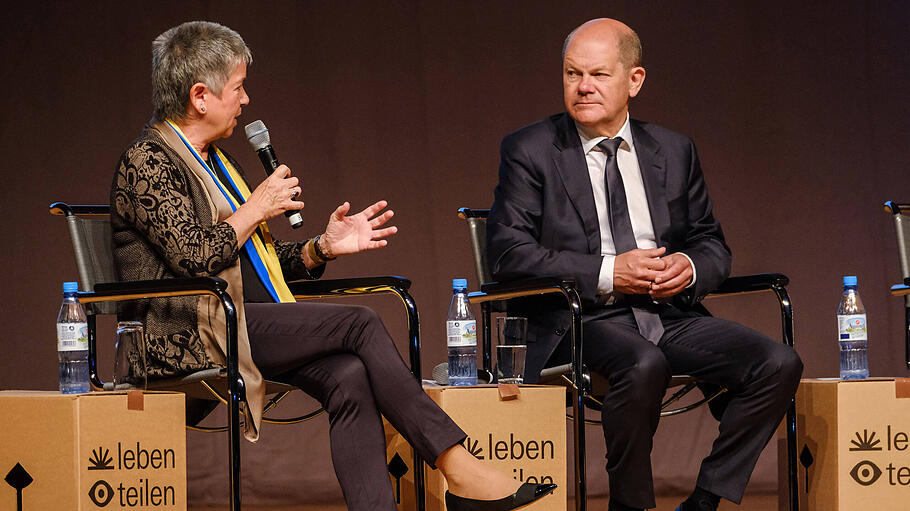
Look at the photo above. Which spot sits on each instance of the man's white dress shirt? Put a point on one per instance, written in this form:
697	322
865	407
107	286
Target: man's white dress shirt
637	201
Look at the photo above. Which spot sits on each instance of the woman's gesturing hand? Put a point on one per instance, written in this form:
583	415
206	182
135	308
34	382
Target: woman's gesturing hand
355	233
276	194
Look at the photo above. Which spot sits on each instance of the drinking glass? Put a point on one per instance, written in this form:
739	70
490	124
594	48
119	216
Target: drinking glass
129	359
512	349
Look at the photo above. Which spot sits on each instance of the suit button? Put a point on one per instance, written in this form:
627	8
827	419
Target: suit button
560	331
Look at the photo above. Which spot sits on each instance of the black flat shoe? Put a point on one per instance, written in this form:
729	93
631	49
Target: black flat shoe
526	494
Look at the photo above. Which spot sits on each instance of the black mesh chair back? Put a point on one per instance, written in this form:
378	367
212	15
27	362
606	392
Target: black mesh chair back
477	229
90	233
901	214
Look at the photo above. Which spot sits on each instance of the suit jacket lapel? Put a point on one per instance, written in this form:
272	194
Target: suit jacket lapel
572	168
654	176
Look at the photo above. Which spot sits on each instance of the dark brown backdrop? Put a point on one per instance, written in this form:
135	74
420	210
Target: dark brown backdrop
799	110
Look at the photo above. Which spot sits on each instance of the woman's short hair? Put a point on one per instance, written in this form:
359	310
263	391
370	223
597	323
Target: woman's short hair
193	52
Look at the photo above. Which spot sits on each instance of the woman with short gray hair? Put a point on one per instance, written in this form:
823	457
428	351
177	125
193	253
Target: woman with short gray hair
181	207
190	53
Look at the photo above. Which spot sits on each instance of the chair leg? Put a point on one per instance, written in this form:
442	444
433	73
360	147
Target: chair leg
414	351
578	405
792	475
419	483
581	492
786	313
486	337
237	395
234	448
907	334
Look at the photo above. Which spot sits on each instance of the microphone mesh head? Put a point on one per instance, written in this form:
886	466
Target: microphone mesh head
441	373
258	135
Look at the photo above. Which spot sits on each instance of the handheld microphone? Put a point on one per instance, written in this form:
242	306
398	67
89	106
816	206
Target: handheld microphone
258	136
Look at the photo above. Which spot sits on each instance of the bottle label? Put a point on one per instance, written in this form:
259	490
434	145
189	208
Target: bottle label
851	327
461	332
72	336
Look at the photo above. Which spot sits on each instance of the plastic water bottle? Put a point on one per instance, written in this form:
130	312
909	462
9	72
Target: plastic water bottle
851	333
72	342
461	333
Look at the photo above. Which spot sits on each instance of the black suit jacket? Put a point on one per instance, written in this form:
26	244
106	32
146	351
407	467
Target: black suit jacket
544	223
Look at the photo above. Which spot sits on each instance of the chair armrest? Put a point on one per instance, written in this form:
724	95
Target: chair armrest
752	283
140	289
358	286
114	291
522	287
64	209
466	213
352	286
493	291
774	282
896	208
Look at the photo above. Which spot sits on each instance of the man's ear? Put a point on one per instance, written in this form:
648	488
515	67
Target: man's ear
636	80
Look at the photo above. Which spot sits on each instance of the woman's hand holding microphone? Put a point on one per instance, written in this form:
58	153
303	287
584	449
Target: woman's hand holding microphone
275	195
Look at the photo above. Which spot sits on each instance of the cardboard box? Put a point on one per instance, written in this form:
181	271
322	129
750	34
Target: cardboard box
524	437
853	442
84	452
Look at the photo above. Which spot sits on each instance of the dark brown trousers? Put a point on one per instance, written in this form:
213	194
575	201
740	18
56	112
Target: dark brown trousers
343	356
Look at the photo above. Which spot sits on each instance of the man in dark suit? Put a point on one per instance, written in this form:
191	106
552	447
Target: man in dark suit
622	207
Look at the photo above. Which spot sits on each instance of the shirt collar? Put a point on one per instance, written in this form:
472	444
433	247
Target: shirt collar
590	143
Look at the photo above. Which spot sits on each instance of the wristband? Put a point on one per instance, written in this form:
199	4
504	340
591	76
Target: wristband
310	248
319	251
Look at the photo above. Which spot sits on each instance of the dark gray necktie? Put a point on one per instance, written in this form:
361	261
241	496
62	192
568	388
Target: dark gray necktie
649	324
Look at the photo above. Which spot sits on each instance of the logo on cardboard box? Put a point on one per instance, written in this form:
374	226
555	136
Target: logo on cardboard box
514	449
867	472
122	486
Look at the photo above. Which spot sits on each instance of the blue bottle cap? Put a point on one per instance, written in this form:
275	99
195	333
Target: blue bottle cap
850	280
70	287
459	283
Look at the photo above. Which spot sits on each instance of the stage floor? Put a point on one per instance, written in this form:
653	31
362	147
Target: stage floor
751	502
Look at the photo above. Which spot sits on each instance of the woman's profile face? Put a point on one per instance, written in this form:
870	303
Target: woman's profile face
221	113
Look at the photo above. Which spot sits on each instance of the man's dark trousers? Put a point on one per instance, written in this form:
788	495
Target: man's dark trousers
761	376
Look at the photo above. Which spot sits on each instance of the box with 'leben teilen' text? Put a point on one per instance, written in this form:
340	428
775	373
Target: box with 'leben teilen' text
853	444
93	451
523	436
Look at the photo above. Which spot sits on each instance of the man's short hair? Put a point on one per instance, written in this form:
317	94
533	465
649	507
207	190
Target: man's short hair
190	53
629	47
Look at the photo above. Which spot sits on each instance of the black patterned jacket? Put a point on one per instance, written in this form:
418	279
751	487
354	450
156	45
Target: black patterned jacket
163	228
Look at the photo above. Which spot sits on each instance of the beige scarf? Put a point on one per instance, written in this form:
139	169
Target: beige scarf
210	314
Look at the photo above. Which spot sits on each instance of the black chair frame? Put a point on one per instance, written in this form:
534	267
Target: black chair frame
581	380
229	377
